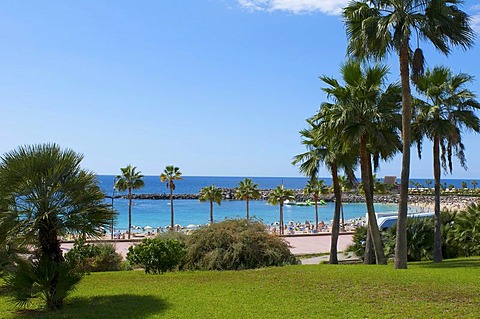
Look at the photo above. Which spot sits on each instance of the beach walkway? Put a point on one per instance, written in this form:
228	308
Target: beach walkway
300	244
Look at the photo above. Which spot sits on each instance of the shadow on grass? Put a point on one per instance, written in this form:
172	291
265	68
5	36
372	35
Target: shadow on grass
123	306
472	262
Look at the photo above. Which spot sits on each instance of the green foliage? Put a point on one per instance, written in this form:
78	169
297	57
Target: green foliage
42	278
107	258
419	239
358	241
86	258
157	255
236	244
44	194
81	256
465	231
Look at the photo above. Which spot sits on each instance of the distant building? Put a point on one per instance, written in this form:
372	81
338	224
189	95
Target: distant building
390	180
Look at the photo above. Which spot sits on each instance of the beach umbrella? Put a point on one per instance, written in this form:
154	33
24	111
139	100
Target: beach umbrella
147	228
191	226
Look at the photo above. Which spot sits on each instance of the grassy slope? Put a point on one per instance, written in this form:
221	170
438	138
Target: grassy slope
425	290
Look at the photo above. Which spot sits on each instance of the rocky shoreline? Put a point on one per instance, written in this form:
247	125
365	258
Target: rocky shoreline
427	201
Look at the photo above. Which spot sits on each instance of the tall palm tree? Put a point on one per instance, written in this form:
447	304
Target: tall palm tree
247	190
365	114
213	195
278	196
315	187
375	28
45	194
169	175
322	149
447	110
129	180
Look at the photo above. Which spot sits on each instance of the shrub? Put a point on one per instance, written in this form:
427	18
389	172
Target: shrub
157	255
81	256
464	232
87	258
33	279
419	239
107	259
358	241
236	244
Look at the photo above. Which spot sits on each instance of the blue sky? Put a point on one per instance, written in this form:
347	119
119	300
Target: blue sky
216	87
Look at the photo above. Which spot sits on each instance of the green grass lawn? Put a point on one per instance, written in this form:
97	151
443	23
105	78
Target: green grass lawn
426	290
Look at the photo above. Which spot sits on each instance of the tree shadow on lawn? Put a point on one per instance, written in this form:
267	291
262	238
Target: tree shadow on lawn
124	306
472	262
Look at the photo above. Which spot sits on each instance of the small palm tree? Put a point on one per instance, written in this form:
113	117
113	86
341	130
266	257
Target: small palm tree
247	190
278	197
169	175
474	184
213	195
129	180
428	182
315	187
45	194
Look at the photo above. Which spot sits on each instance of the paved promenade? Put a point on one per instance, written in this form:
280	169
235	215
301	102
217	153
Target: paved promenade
301	244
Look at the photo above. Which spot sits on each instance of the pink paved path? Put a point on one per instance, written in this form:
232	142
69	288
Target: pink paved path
308	244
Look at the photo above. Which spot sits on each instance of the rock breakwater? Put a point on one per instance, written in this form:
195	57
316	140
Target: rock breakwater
451	201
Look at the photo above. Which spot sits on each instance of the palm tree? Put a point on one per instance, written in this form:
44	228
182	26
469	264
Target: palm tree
447	110
322	149
474	184
129	180
247	190
278	196
365	115
213	195
169	175
428	182
375	28
315	187
45	194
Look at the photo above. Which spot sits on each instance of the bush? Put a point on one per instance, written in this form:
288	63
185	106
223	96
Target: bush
87	258
81	256
236	244
107	258
420	233
359	240
35	279
464	231
157	255
419	239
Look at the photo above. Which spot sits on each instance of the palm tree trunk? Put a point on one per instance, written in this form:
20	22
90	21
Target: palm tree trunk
437	235
50	249
248	214
211	212
365	165
336	215
129	212
281	219
171	208
401	237
315	198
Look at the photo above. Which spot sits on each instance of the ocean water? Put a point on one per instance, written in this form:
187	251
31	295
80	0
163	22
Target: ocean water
156	213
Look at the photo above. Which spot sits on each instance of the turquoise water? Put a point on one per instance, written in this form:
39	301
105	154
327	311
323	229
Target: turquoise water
156	213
